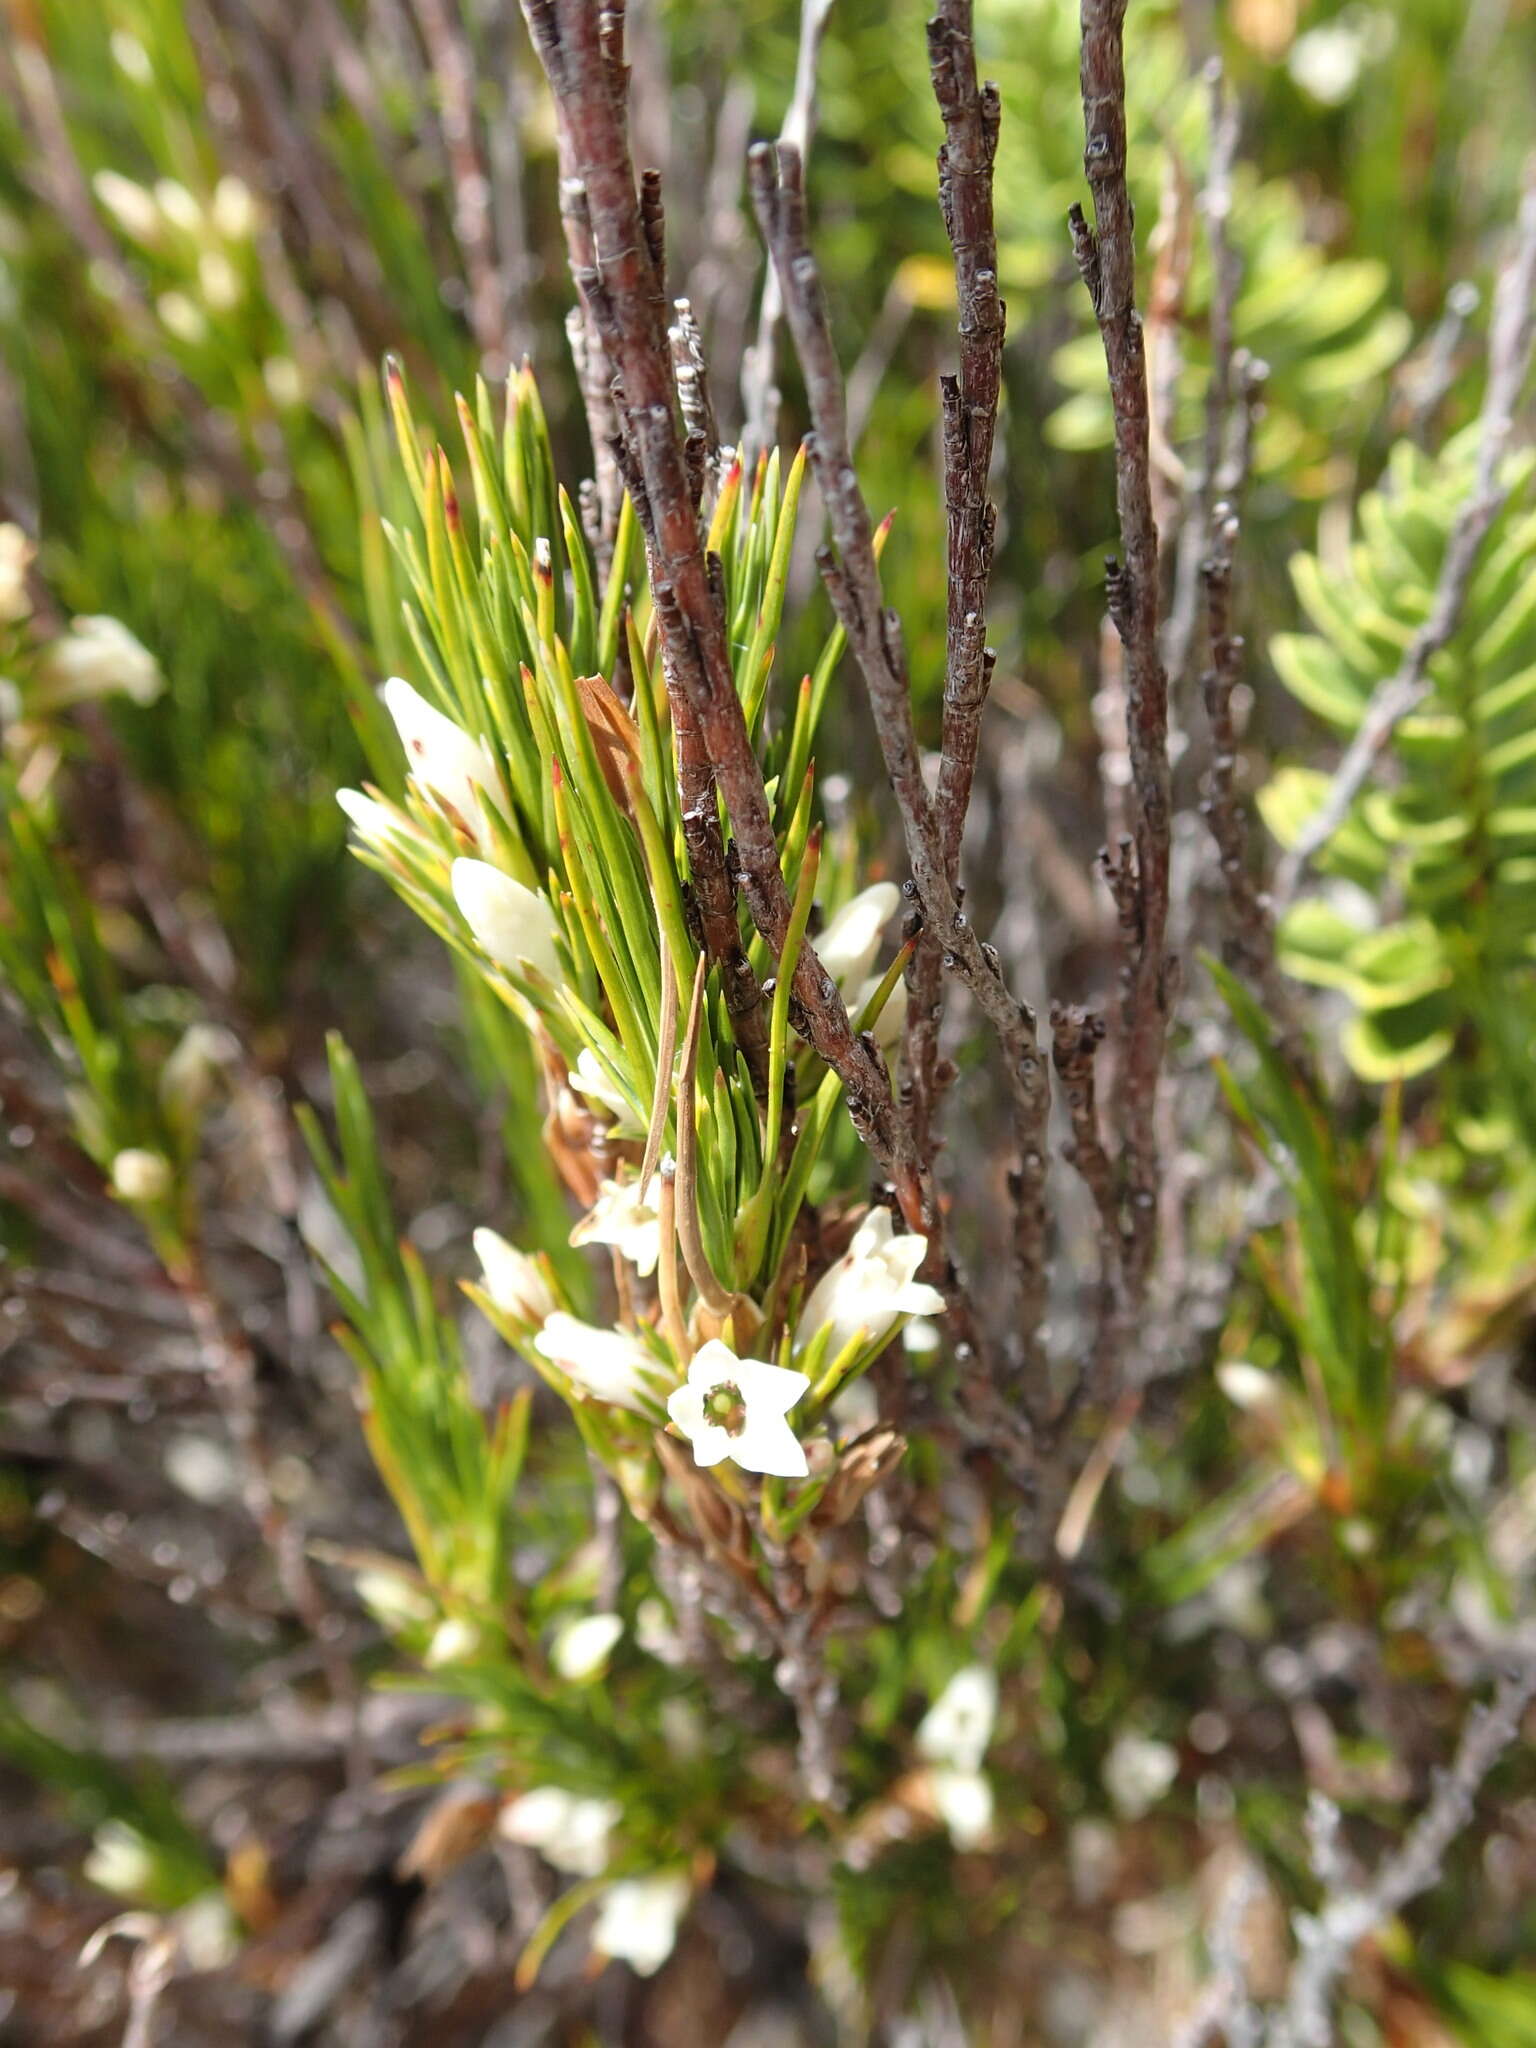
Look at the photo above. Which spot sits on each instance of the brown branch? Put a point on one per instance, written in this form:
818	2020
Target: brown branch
971	113
1106	256
581	50
874	634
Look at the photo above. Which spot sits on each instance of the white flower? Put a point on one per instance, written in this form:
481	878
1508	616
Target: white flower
514	925
131	57
192	1070
97	656
443	758
452	1642
568	1831
202	1468
730	1407
848	949
1250	1387
871	1285
182	317
234	208
376	824
121	1860
130	205
965	1804
581	1648
394	1598
610	1365
139	1175
514	1281
958	1726
16	552
589	1077
638	1920
1326	62
284	381
1137	1772
848	945
625	1217
218	281
177	205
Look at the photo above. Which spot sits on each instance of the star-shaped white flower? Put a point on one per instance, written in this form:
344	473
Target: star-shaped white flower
730	1407
624	1216
872	1285
444	760
609	1364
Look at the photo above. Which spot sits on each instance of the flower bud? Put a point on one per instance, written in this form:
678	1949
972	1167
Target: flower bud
514	925
96	657
443	759
130	205
139	1175
515	1282
582	1647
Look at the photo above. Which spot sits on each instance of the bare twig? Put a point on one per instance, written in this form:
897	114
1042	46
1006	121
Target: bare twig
1512	332
1352	1909
759	397
1106	256
971	113
874	634
581	49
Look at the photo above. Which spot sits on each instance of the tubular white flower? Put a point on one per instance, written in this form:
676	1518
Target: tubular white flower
590	1078
514	925
443	758
132	206
178	206
570	1832
956	1729
730	1407
870	1287
234	209
848	945
848	949
97	656
638	1920
16	552
610	1365
139	1175
376	824
514	1281
1137	1772
965	1805
624	1217
581	1648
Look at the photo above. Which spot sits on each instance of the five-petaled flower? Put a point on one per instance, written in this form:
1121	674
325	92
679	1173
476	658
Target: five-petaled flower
870	1287
730	1407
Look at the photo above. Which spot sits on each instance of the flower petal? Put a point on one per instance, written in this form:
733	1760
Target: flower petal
767	1444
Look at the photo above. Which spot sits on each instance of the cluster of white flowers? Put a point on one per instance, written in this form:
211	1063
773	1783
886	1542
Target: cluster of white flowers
728	1406
97	657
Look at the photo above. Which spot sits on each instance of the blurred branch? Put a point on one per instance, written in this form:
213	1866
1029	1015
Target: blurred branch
1512	332
1352	1909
